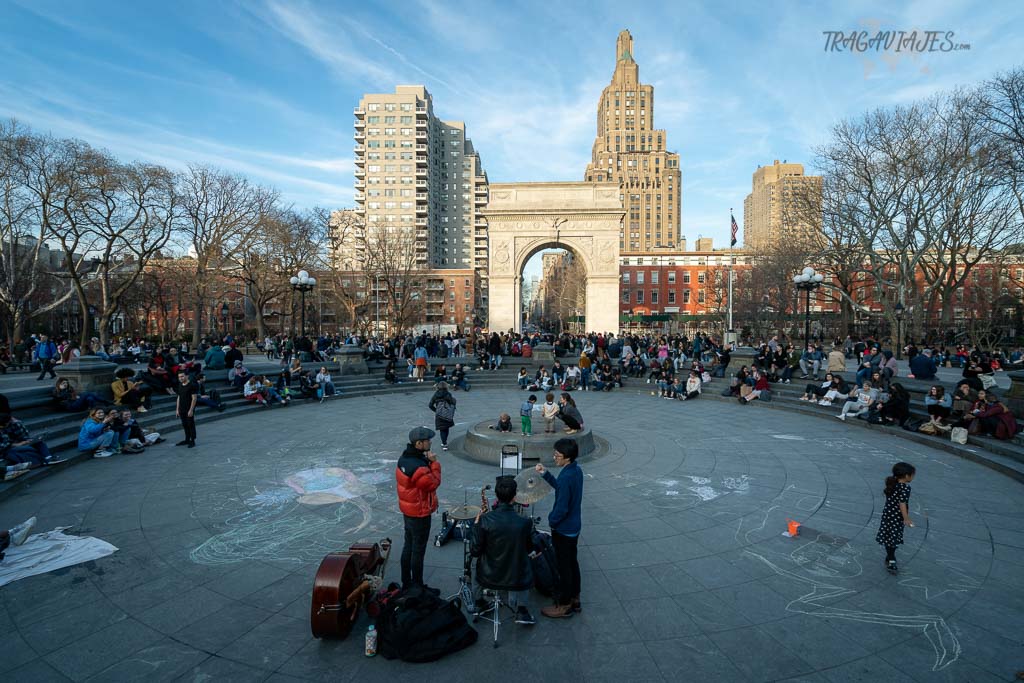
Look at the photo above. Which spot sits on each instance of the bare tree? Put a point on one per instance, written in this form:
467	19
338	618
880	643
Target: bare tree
222	212
346	267
30	184
284	242
391	261
122	216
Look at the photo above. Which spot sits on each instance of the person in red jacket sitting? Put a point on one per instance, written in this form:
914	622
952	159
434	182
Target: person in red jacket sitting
418	475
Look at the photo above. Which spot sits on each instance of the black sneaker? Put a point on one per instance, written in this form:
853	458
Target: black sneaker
523	616
182	443
891	567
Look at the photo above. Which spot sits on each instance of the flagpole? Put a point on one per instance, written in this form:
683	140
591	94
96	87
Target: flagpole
731	259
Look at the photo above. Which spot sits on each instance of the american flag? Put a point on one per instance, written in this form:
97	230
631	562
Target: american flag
735	230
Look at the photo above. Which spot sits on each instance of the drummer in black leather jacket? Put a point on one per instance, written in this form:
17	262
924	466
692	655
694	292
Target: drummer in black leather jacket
502	540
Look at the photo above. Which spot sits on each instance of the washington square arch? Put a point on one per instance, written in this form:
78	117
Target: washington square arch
524	218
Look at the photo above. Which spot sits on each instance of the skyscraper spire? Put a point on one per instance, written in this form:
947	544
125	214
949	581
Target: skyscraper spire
624	47
628	149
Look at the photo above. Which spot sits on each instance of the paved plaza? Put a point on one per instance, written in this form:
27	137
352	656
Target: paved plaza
686	575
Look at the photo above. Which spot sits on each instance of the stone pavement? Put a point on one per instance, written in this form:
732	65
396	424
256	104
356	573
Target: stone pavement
685	571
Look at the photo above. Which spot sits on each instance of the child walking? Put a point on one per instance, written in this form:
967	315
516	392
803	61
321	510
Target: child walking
525	411
549	411
896	514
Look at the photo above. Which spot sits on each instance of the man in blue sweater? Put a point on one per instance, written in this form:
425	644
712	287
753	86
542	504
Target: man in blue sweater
565	527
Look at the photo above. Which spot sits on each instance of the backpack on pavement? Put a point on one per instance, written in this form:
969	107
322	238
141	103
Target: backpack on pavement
418	626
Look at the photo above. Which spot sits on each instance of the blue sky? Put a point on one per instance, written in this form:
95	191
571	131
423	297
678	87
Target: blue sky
267	87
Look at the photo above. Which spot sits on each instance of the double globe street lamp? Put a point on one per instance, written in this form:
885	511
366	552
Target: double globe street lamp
807	281
303	283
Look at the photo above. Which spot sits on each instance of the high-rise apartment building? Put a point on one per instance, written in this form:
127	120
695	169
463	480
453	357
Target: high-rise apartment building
780	208
418	175
628	149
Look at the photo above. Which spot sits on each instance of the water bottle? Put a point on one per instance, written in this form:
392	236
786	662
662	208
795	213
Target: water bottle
371	641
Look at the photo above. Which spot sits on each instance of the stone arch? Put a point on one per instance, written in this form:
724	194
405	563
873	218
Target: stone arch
524	218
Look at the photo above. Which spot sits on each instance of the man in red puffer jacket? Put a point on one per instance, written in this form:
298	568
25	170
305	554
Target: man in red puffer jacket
418	475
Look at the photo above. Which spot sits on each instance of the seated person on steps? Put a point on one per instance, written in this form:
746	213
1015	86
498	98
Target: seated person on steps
502	540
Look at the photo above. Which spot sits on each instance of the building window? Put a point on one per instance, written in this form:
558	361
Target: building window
700	277
640	278
671	296
686	278
654	297
625	278
625	296
640	296
686	296
700	296
671	277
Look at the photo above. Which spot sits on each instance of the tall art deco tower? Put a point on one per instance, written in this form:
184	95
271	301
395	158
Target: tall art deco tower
629	150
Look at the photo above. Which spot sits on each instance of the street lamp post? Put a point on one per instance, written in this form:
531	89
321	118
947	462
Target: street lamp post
224	316
807	281
303	283
899	329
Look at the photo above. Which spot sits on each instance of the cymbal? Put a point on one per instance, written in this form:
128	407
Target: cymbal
464	512
531	487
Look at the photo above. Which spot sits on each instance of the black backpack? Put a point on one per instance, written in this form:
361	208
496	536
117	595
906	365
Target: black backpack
542	561
418	626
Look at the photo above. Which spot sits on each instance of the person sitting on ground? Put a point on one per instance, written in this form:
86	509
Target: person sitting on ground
810	362
939	405
17	446
254	391
66	398
141	437
991	417
881	383
839	389
760	388
816	391
523	379
972	375
272	394
440	375
238	375
896	408
232	354
557	373
323	378
389	373
97	434
458	379
128	392
693	387
889	367
860	401
308	386
543	383
836	360
16	536
665	381
922	366
502	540
569	414
504	423
572	378
158	376
872	361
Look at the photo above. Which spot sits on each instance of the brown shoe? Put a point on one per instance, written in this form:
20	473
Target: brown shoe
557	611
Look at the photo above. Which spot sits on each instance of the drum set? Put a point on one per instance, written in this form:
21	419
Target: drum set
459	522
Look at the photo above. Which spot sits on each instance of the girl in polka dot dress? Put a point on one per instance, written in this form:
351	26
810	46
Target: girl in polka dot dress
895	515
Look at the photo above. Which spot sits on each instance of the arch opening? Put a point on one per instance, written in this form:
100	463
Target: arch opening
553	291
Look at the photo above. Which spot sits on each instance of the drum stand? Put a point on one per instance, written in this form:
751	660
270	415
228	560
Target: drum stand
465	591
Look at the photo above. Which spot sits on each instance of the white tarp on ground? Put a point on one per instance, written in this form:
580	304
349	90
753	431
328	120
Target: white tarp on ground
48	551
